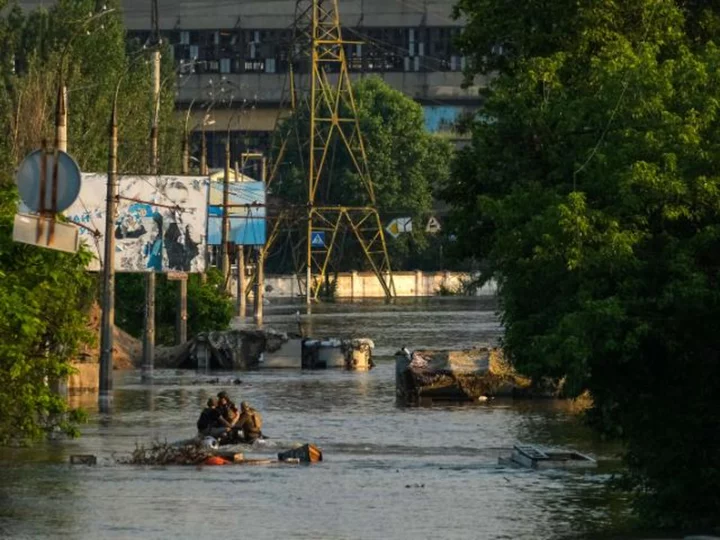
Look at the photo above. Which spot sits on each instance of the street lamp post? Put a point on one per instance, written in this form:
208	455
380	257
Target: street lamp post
108	289
61	120
108	305
225	233
186	141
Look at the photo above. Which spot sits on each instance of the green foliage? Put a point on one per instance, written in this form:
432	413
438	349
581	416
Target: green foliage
591	191
406	164
45	295
44	298
209	306
90	55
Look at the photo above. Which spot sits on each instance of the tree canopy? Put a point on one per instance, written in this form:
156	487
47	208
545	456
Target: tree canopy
45	295
210	307
591	191
406	163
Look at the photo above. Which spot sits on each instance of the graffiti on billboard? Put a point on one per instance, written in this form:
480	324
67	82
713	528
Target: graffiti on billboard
159	227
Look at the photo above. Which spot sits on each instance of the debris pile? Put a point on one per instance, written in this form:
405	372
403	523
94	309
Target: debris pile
457	376
163	453
196	452
227	350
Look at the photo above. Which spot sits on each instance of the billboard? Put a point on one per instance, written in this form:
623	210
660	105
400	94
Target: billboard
159	226
247	224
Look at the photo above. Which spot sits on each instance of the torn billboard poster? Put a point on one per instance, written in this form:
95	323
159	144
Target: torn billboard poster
247	223
159	226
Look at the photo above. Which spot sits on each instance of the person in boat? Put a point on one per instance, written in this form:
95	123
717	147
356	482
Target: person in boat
210	422
250	423
229	413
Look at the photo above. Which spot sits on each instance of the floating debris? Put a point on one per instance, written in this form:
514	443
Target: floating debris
83	459
197	452
532	457
306	453
164	453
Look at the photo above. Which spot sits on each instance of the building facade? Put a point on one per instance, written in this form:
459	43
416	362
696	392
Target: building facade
233	57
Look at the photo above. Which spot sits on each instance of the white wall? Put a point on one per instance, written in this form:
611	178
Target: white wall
366	285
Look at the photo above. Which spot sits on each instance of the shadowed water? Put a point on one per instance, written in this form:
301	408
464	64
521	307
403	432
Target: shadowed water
388	472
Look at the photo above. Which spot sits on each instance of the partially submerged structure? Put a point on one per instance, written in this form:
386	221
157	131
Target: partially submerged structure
195	452
427	376
306	353
533	457
253	349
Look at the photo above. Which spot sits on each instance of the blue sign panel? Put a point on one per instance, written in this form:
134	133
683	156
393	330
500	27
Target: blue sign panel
318	239
441	118
247	215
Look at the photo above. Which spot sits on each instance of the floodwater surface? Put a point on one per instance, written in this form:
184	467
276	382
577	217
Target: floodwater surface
388	472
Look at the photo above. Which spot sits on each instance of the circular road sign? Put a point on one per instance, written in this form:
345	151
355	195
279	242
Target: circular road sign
29	181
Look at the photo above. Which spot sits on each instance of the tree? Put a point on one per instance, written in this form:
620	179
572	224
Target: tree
45	295
405	161
210	308
590	190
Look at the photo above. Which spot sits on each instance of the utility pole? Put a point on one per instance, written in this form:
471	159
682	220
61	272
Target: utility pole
61	120
108	291
225	233
149	326
181	321
318	24
204	172
60	144
260	270
203	153
240	302
259	285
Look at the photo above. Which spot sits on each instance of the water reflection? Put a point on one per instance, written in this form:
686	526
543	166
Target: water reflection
389	472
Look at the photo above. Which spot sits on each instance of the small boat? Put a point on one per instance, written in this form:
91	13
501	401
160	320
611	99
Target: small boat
532	457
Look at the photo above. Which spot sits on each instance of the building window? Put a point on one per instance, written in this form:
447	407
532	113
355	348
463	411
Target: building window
263	50
254	66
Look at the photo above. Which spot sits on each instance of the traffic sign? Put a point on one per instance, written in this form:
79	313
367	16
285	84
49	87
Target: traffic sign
317	239
47	233
433	225
399	225
31	186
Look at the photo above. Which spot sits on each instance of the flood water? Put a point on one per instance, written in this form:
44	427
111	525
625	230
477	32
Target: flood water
388	472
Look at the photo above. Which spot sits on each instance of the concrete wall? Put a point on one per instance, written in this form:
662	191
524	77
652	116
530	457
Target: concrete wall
269	14
86	379
366	285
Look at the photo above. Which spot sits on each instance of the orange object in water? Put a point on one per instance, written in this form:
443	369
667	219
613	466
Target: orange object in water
216	460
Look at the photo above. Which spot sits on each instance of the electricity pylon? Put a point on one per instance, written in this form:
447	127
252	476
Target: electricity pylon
333	119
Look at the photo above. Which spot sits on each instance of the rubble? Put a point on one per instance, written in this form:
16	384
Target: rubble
479	374
227	350
195	452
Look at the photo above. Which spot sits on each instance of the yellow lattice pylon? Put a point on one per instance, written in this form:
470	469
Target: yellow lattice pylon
333	115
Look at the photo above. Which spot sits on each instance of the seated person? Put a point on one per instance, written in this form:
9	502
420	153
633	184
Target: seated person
209	422
250	422
229	413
